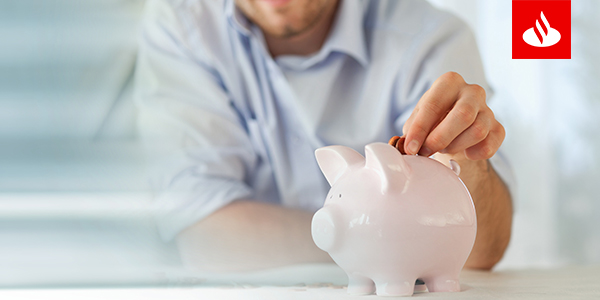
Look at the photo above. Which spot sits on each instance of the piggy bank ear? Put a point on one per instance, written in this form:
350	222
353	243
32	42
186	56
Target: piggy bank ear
335	161
389	163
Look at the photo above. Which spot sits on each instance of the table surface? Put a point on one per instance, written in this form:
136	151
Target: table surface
581	282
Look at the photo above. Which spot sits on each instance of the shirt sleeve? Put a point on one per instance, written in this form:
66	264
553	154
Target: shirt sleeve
196	142
448	44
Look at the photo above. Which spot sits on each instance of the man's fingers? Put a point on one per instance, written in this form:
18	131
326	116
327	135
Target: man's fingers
433	105
463	114
476	133
409	121
488	147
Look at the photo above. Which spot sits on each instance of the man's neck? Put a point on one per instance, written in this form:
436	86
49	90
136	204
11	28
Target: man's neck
305	43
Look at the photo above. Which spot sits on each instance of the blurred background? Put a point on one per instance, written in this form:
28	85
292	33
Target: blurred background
73	195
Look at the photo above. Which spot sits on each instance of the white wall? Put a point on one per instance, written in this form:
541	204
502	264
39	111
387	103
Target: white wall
73	200
64	68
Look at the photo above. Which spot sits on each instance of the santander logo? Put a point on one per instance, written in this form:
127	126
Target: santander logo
532	35
541	35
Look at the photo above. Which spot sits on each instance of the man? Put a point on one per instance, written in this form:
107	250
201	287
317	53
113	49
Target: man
239	95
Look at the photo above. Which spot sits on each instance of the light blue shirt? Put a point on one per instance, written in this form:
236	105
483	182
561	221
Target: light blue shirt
226	121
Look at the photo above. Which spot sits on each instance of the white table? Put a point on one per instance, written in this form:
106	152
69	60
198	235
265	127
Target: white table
566	283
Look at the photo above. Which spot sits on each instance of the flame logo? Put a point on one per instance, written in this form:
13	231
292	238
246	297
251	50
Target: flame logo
541	35
541	30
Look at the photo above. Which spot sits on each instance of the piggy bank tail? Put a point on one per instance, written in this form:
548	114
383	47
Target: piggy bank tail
324	229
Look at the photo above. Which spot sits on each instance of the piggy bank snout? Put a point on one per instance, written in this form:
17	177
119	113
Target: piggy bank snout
324	229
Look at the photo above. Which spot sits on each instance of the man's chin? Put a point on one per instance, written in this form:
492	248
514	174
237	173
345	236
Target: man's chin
283	33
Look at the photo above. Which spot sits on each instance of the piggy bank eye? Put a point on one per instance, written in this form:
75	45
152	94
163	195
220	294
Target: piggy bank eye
340	196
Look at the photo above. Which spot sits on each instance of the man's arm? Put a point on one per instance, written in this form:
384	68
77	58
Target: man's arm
453	120
250	235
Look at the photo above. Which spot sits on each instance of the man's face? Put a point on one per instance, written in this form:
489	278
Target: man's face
285	18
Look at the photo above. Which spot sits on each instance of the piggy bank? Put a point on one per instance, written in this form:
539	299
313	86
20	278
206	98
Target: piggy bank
390	219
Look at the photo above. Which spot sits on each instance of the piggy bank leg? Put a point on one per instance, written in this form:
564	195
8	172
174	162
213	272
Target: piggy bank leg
396	287
360	285
420	287
443	284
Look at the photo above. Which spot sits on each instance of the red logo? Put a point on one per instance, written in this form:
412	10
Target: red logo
541	29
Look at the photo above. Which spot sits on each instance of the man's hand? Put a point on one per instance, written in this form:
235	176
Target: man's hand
452	117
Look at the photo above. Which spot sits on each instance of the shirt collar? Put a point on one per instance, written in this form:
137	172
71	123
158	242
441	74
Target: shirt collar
347	33
236	18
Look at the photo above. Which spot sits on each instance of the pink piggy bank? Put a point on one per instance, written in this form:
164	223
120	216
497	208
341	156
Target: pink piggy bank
390	219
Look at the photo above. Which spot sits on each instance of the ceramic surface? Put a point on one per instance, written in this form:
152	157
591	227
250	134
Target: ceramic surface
390	219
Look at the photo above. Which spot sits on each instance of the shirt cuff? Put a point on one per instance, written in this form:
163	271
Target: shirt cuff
177	210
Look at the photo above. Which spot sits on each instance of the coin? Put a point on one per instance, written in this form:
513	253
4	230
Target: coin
398	143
